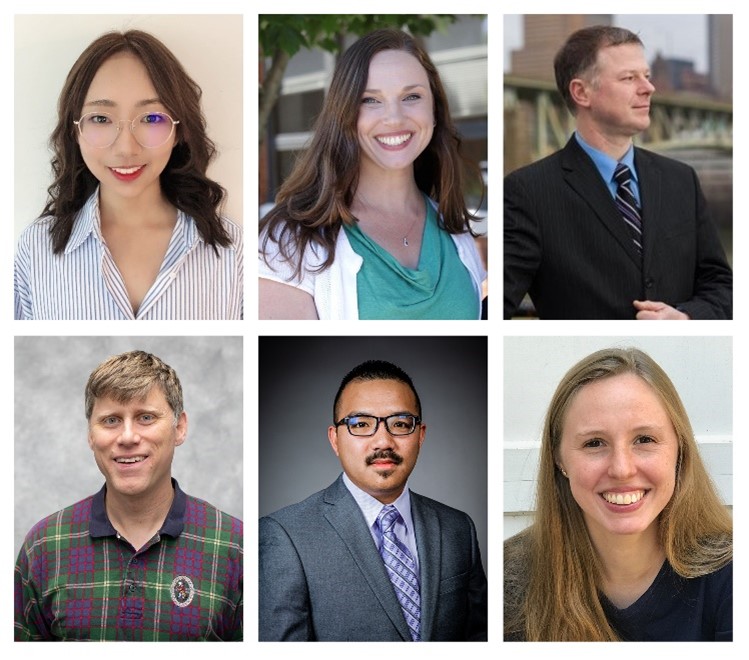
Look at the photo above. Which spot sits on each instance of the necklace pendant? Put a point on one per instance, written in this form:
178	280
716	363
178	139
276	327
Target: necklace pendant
405	242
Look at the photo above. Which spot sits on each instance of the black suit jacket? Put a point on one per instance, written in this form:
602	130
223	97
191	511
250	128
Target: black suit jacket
566	244
322	578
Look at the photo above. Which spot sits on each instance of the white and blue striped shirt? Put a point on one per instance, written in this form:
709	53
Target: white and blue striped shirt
83	281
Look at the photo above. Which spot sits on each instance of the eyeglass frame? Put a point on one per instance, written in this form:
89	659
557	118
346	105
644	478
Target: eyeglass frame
132	127
345	421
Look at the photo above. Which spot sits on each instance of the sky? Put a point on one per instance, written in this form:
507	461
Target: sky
682	36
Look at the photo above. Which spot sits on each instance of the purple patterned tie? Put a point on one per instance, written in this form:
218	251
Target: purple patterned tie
627	204
401	569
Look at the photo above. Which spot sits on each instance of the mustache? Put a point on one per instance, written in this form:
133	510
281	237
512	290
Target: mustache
389	454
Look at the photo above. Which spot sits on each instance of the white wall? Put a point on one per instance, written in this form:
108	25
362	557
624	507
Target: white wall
700	368
46	46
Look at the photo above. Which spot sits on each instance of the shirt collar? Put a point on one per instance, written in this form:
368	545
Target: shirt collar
88	221
371	507
174	522
605	164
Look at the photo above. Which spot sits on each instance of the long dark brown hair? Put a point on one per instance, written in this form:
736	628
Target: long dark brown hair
316	197
183	181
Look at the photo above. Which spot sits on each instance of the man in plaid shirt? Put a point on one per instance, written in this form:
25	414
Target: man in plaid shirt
139	560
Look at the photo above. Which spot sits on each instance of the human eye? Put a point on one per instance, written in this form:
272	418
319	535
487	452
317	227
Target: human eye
147	418
98	119
644	439
111	420
359	422
413	97
152	118
593	443
401	422
369	100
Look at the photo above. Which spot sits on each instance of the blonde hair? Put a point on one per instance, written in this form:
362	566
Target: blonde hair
552	571
131	376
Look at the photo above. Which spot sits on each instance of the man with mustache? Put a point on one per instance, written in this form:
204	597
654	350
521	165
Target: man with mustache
366	559
603	229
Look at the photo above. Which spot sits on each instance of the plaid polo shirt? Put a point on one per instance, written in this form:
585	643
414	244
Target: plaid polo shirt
76	578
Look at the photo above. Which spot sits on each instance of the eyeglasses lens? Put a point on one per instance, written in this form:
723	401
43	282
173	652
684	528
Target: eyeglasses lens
151	129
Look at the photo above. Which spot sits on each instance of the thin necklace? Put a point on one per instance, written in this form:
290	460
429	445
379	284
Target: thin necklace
408	231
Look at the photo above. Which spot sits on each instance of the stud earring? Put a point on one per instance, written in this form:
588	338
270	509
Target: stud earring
561	469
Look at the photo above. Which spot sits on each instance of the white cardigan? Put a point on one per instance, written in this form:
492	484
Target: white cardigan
334	289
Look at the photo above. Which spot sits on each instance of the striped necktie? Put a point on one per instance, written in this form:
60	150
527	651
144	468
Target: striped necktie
627	204
401	569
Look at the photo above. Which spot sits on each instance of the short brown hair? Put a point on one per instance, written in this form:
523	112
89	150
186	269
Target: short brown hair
131	376
580	52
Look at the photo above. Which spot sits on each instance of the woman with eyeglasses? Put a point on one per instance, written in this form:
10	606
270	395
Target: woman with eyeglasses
132	226
372	223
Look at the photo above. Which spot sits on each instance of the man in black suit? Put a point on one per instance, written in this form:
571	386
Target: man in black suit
601	229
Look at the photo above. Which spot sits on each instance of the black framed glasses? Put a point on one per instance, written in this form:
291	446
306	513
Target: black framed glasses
367	425
150	129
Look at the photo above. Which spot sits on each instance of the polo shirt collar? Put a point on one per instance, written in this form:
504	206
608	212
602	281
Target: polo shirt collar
100	526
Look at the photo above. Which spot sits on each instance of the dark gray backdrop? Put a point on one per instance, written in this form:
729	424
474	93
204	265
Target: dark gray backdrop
298	379
54	466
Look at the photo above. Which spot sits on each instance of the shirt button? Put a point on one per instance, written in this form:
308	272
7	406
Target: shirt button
649	283
135	560
131	588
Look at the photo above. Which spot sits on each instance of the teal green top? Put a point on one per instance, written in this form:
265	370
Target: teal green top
439	288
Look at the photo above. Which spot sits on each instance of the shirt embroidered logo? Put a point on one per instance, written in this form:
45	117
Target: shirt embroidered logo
182	591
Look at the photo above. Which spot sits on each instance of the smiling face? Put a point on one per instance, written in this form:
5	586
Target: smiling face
396	116
616	98
619	450
133	442
380	464
123	89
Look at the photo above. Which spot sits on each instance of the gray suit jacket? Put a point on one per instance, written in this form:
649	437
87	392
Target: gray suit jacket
322	578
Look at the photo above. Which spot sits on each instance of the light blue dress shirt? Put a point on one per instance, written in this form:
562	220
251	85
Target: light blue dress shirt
371	507
606	166
83	282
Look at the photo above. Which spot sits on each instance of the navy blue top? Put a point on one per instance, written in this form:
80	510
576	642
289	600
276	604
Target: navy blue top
677	609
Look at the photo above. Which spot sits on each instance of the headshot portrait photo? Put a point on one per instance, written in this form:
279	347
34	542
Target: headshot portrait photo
618	481
209	47
440	434
54	466
618	166
374	151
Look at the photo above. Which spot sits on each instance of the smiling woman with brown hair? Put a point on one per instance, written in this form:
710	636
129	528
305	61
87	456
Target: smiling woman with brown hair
372	222
132	228
630	540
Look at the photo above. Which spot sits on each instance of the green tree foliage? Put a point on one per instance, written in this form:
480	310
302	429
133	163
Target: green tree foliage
283	35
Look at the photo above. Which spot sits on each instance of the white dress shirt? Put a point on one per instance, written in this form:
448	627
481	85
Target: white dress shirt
371	507
83	282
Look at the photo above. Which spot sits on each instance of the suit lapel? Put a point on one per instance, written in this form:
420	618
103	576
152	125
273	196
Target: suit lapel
346	519
583	177
649	181
429	545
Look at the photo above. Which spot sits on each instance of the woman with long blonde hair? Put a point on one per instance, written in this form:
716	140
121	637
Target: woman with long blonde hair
630	540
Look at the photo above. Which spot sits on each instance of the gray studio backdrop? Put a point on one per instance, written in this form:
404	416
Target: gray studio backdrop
54	466
299	377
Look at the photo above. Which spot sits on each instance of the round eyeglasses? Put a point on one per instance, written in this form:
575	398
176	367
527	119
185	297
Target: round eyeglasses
367	425
150	130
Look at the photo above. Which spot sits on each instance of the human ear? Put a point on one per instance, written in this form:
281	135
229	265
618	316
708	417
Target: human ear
333	438
579	92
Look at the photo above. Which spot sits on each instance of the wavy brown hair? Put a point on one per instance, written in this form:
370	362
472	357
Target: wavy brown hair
552	571
183	182
316	197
